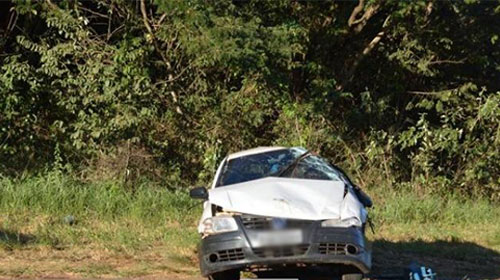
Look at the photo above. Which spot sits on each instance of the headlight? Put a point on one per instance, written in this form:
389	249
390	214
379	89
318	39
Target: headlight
219	224
350	222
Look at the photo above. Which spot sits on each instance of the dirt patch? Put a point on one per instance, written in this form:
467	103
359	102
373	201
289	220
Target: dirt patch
76	263
451	260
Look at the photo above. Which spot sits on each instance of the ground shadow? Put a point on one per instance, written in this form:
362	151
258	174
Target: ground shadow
11	239
450	259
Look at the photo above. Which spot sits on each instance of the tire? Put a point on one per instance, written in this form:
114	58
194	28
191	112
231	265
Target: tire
225	275
352	276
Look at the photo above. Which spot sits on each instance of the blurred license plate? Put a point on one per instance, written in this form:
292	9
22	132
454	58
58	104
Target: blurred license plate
279	237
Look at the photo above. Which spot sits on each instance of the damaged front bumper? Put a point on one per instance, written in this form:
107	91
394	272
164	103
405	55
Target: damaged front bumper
342	248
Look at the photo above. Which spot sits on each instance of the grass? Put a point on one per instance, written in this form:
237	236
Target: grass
149	230
457	236
403	214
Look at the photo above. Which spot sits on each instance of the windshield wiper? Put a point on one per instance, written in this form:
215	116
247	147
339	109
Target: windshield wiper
294	163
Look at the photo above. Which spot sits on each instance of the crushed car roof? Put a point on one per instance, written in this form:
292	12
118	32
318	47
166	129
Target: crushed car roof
254	151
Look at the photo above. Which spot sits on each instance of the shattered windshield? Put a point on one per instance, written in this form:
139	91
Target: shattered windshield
252	167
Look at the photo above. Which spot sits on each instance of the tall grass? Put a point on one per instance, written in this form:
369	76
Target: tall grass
109	216
404	214
105	214
406	206
57	194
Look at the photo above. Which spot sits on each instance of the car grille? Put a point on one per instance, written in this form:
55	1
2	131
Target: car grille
260	222
332	248
285	251
230	255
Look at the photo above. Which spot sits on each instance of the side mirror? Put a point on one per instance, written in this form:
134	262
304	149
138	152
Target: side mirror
363	198
199	193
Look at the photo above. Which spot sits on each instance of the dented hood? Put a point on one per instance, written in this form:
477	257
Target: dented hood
288	198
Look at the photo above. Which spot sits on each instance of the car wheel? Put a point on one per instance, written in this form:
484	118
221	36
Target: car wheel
225	275
352	276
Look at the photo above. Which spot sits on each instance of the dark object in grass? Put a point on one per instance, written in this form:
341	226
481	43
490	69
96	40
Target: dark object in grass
418	272
70	220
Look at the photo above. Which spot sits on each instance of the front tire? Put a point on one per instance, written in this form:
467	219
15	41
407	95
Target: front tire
352	276
225	275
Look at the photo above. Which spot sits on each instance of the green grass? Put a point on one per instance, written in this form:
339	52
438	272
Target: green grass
144	226
147	229
454	235
105	213
406	215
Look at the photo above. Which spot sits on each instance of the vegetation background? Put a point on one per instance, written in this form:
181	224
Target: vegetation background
110	110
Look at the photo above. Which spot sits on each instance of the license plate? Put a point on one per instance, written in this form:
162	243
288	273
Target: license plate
278	238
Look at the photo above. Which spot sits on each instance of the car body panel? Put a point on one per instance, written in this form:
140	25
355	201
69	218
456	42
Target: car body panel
254	151
286	198
282	197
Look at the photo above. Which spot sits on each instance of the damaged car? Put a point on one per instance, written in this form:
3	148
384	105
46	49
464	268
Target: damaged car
282	212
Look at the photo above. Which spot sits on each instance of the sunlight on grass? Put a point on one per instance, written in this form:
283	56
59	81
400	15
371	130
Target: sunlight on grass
152	230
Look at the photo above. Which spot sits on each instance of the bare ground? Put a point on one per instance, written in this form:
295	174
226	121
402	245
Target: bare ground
451	260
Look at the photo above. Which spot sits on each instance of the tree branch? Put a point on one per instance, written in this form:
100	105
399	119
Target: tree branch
52	5
423	92
359	24
447	61
153	37
94	12
145	17
428	10
372	10
12	21
161	19
162	55
352	19
114	31
431	93
367	50
373	43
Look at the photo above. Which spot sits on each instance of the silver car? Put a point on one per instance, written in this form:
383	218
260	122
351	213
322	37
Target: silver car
285	212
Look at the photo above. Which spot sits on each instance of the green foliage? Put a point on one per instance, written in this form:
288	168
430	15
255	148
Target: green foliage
401	92
462	148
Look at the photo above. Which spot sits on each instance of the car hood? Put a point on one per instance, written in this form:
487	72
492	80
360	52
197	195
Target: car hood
289	198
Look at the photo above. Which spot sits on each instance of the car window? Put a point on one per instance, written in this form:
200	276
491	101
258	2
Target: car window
257	166
315	168
252	167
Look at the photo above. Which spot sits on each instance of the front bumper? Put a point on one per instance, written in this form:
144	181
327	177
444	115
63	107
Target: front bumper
321	246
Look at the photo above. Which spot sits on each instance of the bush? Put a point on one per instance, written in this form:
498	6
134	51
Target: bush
163	89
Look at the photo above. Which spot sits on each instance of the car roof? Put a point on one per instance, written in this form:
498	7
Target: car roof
254	151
